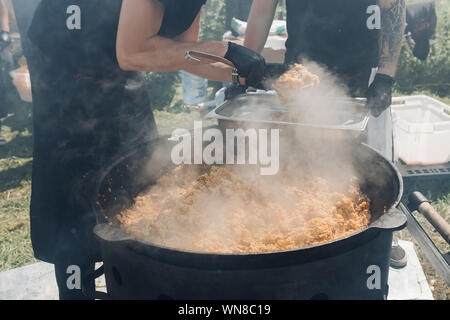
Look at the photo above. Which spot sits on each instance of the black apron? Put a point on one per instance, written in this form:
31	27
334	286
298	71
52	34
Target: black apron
333	33
85	113
78	90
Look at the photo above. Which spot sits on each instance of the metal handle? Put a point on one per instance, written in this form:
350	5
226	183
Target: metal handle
420	203
427	210
393	220
93	294
203	57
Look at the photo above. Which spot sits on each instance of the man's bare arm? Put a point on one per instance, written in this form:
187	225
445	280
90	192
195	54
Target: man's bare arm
4	17
393	22
140	48
216	71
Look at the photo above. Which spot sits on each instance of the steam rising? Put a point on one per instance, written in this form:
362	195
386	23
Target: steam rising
314	198
219	210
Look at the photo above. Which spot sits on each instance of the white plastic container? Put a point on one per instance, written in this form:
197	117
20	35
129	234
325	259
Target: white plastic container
421	130
21	79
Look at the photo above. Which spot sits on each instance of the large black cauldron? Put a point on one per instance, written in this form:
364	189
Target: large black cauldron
355	267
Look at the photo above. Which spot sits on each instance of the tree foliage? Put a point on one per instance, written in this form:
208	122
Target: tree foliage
433	74
213	20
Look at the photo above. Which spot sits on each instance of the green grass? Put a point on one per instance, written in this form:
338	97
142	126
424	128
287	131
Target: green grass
15	243
15	186
167	120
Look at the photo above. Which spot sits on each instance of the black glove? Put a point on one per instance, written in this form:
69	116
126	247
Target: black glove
272	72
275	70
379	94
234	90
249	64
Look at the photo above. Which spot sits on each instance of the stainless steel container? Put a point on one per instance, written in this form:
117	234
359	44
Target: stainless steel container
342	118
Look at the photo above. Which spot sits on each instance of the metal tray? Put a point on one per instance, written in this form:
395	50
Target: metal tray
341	114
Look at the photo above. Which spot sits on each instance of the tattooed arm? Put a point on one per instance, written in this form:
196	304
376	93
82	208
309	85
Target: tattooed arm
393	22
393	18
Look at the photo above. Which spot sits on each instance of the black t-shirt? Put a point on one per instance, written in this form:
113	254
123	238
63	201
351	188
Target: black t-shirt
179	16
332	32
91	50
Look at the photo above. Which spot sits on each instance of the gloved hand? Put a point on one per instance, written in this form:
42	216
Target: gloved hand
234	90
249	64
275	70
272	72
379	94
